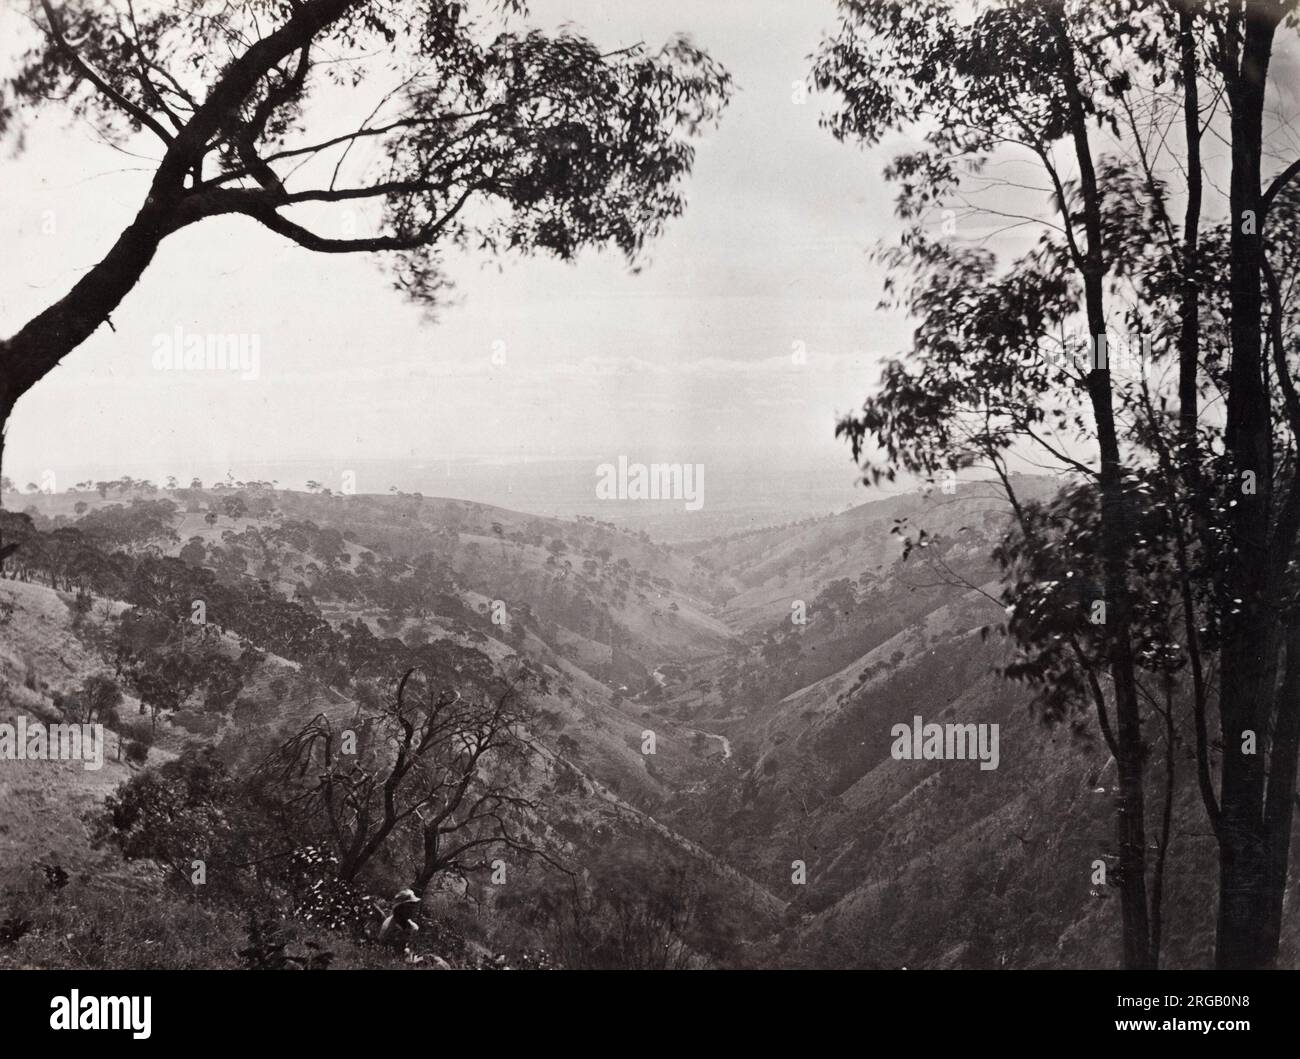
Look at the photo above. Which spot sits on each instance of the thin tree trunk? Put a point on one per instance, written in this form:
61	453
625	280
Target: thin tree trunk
431	863
1189	307
1130	819
1244	935
1279	807
1166	828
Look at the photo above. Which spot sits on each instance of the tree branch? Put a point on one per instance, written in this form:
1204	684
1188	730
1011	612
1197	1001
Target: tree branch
138	113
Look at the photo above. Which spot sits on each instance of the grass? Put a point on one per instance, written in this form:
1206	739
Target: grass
133	924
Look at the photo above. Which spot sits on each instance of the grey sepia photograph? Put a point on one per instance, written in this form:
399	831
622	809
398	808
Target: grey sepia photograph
612	485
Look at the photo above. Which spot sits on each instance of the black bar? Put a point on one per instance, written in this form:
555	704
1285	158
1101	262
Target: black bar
923	1008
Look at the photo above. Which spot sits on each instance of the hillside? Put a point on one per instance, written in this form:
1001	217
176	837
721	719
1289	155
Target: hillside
769	669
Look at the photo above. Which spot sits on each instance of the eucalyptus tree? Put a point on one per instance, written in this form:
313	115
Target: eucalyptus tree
493	135
1155	588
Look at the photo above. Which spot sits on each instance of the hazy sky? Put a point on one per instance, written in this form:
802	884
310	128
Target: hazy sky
687	360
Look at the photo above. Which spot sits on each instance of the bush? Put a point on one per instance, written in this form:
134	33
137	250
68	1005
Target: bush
201	724
134	739
80	607
645	910
172	814
100	924
267	942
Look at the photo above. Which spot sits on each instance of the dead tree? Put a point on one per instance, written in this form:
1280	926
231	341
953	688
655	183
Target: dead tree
433	771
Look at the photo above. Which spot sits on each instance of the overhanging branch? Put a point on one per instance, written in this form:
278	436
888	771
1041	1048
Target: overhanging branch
138	113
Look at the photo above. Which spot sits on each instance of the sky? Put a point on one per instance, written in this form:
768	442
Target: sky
692	359
752	324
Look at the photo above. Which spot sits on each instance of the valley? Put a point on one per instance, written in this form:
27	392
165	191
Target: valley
770	667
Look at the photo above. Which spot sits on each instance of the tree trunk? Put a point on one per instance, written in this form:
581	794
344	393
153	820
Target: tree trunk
1248	599
46	339
431	863
6	407
1279	807
1189	330
1115	535
56	332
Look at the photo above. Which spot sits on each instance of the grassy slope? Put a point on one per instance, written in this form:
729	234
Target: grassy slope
47	803
921	863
